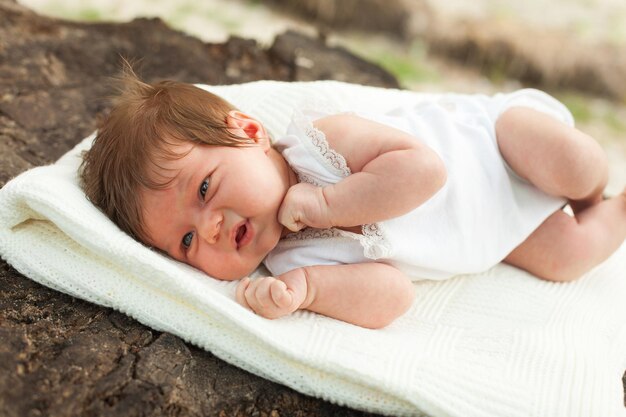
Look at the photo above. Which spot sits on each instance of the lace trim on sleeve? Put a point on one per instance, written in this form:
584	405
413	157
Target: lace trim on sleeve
310	233
373	241
318	139
302	177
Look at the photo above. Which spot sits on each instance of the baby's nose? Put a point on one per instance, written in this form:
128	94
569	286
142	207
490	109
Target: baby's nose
211	227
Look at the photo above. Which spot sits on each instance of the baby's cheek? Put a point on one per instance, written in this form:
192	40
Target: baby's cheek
265	197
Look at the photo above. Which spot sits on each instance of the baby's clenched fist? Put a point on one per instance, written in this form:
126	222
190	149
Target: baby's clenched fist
304	205
271	297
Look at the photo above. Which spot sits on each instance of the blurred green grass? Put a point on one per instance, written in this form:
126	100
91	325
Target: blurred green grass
578	105
408	63
584	112
90	15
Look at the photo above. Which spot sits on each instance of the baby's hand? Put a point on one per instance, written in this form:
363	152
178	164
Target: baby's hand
272	298
304	205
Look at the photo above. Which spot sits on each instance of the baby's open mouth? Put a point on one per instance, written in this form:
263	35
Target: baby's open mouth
241	232
243	235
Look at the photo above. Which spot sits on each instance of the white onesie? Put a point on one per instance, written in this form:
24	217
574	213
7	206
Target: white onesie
480	215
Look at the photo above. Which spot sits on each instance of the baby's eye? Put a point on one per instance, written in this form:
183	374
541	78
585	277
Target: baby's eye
187	240
204	188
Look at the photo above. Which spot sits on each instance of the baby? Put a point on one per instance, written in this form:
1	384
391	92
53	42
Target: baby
346	209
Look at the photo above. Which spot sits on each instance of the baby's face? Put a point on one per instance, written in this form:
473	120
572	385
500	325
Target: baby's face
219	214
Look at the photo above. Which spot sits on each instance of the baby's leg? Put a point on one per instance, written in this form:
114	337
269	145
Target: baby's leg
564	247
553	156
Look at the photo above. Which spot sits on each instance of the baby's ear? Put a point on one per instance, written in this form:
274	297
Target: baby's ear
247	127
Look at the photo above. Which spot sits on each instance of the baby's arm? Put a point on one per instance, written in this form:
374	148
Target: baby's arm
370	295
392	173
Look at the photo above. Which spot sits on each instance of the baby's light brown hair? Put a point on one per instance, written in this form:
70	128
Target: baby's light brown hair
141	132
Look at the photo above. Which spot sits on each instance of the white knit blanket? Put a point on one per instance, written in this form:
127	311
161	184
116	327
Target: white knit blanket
501	343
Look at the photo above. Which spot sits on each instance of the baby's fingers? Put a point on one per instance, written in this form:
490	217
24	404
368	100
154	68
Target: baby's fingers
259	296
241	291
290	223
288	217
280	294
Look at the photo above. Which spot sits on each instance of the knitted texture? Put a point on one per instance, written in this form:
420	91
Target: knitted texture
500	343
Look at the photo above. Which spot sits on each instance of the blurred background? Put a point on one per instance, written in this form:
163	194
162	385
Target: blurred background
573	49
